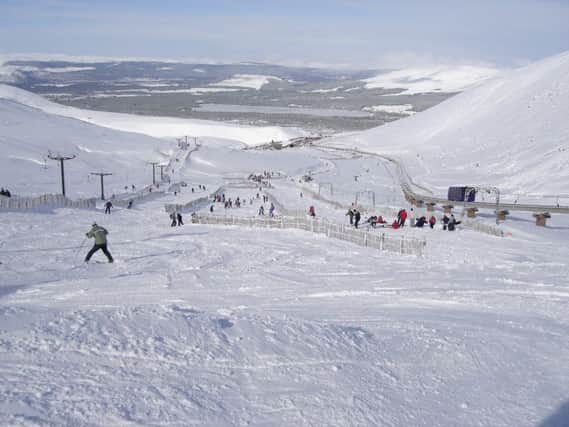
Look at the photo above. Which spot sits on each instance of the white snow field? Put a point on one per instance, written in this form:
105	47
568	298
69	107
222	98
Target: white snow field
233	326
448	78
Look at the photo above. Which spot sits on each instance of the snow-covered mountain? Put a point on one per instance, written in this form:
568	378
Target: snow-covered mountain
510	131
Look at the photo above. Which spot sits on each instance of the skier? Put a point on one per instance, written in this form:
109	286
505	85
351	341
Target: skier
129	206
261	211
311	211
211	209
357	217
179	218
173	218
395	224
100	235
272	210
350	214
108	207
432	221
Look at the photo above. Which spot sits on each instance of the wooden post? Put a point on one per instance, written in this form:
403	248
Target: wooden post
540	218
501	215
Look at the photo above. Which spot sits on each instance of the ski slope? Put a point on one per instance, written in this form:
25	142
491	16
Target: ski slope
199	325
508	132
229	326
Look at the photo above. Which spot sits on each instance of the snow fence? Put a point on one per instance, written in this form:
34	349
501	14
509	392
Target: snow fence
139	197
483	228
190	206
46	201
372	239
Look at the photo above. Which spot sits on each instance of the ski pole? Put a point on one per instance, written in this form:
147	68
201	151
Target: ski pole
80	247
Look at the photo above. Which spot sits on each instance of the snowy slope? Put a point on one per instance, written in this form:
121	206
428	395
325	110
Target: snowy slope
229	326
510	132
155	126
27	135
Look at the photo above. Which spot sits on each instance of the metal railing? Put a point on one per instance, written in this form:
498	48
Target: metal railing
407	183
372	239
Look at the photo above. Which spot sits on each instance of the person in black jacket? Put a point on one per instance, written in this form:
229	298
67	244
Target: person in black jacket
445	220
453	223
357	217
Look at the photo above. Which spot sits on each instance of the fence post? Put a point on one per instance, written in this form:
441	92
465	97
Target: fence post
402	245
365	238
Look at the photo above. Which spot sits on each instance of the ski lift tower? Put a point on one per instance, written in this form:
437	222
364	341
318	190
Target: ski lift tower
370	195
61	159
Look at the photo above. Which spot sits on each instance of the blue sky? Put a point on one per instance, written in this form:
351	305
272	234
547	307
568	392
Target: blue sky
357	33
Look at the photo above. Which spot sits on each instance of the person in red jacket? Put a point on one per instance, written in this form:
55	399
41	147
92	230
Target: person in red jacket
402	217
432	221
395	225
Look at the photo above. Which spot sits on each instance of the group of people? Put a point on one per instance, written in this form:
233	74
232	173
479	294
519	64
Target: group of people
200	187
449	222
5	192
271	210
176	218
355	216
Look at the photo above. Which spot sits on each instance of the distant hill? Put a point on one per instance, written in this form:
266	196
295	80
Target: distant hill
510	131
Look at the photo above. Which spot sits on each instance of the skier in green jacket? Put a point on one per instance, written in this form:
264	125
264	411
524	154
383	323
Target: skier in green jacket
100	235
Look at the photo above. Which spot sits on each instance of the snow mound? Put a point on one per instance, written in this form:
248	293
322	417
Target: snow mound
510	132
249	81
177	364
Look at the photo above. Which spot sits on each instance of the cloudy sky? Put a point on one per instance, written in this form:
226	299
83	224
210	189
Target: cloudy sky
357	33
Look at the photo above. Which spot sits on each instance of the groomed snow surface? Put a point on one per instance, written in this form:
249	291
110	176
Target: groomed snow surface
223	326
